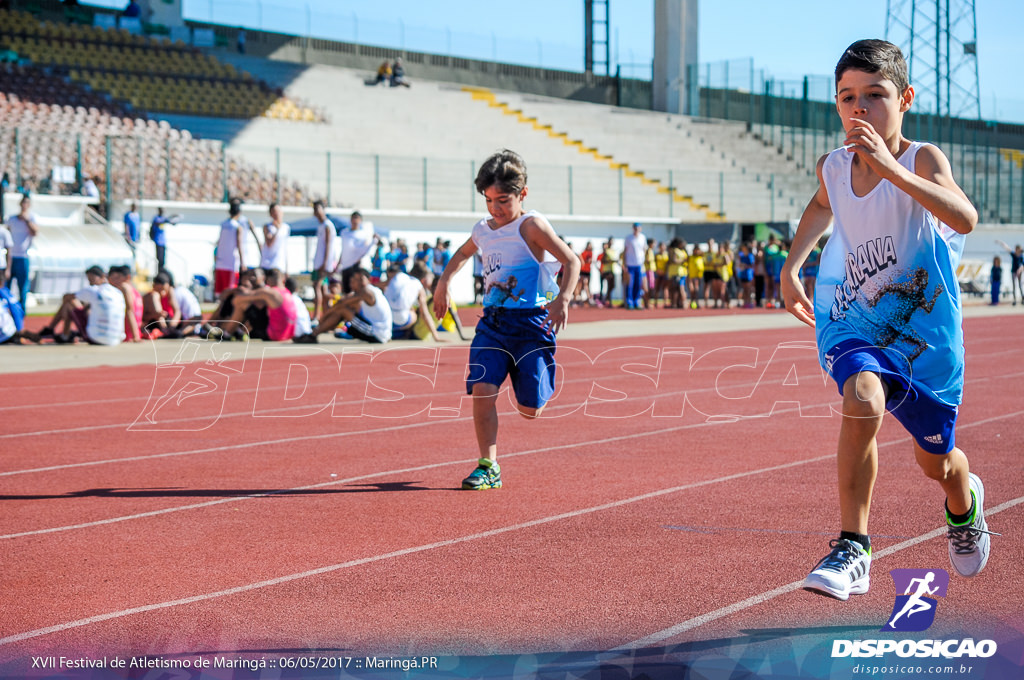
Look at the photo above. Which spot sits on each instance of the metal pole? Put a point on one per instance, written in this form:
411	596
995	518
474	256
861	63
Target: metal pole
570	190
277	171
424	182
376	181
17	159
328	178
771	187
721	191
620	191
671	192
167	170
472	187
109	173
224	172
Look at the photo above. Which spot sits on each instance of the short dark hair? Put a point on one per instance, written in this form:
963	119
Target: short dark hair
505	169
875	56
95	270
234	208
162	278
318	204
357	214
419	270
290	284
122	269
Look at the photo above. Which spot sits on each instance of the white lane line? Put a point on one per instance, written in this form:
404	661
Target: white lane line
397	553
515	527
321	485
355	433
736	607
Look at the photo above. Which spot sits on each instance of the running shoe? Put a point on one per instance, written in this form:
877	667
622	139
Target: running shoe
969	542
841	573
307	339
487	475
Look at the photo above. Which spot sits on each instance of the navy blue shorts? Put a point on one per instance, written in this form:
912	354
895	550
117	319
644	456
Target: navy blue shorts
514	343
932	423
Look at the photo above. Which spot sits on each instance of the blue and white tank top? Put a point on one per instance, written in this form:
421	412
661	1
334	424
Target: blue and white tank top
888	277
513	277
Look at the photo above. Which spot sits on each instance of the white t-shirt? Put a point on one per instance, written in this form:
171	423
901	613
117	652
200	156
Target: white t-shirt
106	313
355	245
635	250
321	247
187	303
21	234
275	256
227	246
6	243
402	293
250	242
379	315
303	324
7	325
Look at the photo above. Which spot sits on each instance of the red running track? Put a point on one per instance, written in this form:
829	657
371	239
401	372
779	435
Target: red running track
259	516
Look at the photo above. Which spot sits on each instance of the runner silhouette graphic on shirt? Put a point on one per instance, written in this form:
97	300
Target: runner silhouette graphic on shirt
508	288
916	603
908	296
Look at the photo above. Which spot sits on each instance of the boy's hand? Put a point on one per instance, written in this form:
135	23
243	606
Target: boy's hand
558	314
871	148
794	298
442	299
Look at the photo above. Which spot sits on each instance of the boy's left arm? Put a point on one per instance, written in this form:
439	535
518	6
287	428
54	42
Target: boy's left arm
933	187
540	234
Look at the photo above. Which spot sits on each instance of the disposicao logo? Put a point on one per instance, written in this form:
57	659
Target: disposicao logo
913	611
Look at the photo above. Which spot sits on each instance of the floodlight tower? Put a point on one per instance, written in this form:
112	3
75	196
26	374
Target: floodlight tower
939	39
597	43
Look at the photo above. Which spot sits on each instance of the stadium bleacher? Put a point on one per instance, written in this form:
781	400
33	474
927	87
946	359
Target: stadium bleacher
152	74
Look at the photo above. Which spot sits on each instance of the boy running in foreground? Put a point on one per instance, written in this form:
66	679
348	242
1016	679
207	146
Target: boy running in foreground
887	309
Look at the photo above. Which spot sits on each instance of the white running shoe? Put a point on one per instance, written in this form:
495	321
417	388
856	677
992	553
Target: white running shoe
841	573
969	543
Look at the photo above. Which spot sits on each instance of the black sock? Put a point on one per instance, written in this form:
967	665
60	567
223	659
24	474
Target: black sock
863	539
960	519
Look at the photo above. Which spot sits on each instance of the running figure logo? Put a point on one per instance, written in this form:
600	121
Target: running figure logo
907	297
914	610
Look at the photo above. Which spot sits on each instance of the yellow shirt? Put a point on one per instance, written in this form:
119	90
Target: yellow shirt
695	267
661	263
609	261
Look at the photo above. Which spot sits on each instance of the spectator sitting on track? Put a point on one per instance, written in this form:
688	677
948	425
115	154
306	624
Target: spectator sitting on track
250	280
407	296
160	312
120	277
97	311
365	309
277	323
303	322
191	310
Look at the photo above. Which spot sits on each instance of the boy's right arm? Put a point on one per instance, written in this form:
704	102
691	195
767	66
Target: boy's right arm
813	224
442	298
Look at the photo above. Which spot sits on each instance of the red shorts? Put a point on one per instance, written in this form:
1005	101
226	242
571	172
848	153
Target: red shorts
224	279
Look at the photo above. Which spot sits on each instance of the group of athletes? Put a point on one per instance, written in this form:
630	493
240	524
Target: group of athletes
676	275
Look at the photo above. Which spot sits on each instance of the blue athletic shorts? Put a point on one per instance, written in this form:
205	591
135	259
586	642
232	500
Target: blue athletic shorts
514	343
932	423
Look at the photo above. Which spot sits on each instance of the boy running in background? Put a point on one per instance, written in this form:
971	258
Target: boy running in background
523	308
887	309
